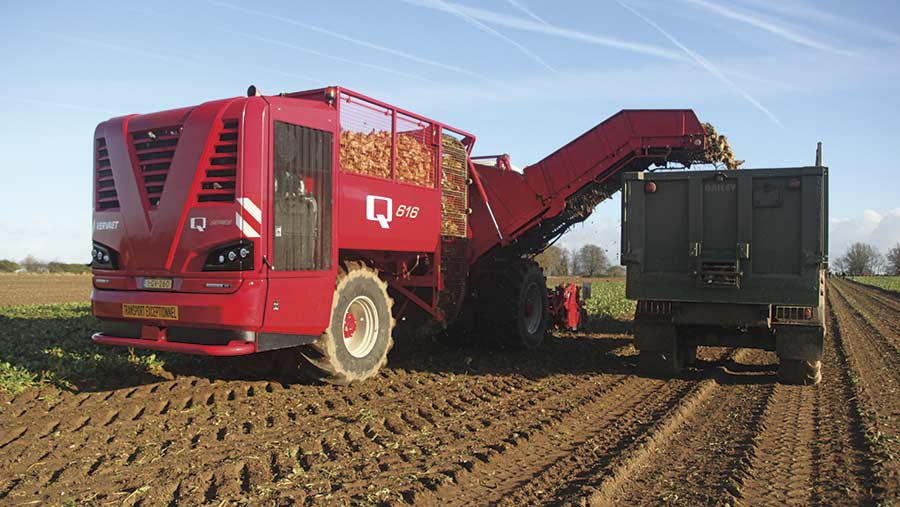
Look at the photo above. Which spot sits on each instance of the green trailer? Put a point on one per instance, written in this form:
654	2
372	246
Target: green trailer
728	258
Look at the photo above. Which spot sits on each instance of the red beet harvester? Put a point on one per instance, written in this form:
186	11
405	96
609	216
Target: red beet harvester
237	226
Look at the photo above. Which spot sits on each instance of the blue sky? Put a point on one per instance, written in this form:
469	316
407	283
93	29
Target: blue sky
525	76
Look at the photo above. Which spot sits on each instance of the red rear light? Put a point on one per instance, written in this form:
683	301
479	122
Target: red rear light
650	187
807	313
794	184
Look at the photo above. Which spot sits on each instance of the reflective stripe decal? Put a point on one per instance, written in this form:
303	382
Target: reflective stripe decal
251	208
245	228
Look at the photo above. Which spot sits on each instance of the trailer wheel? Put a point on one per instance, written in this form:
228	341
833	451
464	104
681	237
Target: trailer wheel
357	341
689	353
515	307
799	372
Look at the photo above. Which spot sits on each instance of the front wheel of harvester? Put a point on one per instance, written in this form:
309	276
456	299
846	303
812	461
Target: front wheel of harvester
799	372
359	336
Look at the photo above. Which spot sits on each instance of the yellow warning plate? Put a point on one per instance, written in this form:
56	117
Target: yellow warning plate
162	312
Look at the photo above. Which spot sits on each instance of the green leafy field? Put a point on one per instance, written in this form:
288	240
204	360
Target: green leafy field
50	344
883	282
608	300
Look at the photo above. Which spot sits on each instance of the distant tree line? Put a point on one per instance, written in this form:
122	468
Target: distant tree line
588	261
860	259
32	264
863	259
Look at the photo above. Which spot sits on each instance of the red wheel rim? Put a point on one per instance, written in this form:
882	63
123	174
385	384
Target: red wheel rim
349	325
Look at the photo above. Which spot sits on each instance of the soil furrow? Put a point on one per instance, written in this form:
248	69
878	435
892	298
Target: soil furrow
718	427
810	450
617	414
873	378
569	423
873	308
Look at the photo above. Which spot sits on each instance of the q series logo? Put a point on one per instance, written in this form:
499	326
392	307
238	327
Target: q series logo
381	209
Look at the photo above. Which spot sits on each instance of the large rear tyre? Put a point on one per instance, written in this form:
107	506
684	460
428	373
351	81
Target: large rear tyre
357	341
799	372
514	305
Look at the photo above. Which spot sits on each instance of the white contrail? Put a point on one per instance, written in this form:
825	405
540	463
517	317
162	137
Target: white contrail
548	29
525	10
326	55
347	38
813	13
481	26
706	64
768	26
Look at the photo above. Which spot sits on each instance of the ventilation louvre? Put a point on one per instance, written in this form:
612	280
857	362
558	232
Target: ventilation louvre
106	198
221	174
154	150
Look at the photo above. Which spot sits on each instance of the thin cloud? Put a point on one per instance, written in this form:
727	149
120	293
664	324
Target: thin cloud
60	105
329	56
807	13
549	29
167	57
346	38
525	10
706	64
162	57
481	26
773	28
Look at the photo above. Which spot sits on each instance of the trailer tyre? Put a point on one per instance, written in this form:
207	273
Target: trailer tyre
689	354
515	307
799	372
360	334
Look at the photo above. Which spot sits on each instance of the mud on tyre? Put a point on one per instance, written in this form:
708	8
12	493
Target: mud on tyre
359	335
799	371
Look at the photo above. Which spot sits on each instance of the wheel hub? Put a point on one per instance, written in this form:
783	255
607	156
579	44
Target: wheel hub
349	325
360	326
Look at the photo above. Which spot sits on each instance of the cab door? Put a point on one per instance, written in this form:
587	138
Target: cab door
301	263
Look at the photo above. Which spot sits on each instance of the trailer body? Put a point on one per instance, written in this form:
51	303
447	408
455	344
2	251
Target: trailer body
727	258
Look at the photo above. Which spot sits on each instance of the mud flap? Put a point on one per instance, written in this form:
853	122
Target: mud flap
660	354
799	342
660	336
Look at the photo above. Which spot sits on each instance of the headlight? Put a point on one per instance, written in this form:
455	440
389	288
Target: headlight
236	256
104	257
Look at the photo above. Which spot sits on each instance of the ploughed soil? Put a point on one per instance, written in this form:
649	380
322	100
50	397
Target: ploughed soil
44	288
570	423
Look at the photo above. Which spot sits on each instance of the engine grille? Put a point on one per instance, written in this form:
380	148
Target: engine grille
454	192
106	198
221	174
154	150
